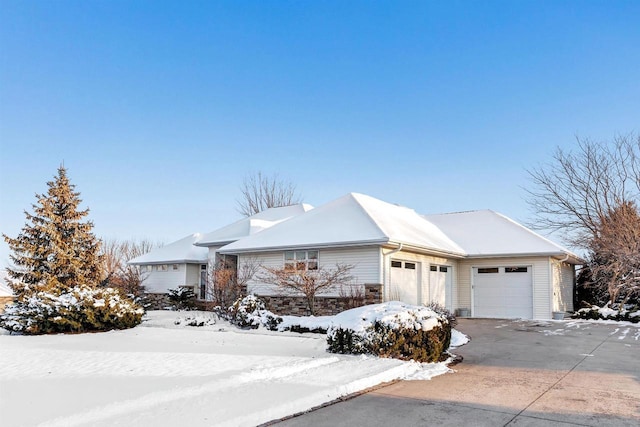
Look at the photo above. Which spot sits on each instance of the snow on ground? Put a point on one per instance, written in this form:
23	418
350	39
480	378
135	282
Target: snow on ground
165	374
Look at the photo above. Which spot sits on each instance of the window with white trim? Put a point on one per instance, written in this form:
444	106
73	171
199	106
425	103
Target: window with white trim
301	260
162	267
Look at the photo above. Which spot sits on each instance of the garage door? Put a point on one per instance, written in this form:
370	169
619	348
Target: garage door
505	292
404	281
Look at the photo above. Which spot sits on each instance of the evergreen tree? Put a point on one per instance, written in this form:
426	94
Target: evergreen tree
56	250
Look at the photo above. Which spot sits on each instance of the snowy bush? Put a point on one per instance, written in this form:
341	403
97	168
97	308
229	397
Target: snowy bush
251	312
392	329
451	318
197	320
627	313
81	309
182	298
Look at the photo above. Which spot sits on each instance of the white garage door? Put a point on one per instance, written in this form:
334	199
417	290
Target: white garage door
505	292
404	281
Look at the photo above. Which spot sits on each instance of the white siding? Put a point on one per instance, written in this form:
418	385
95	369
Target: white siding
162	281
365	262
193	276
563	285
541	281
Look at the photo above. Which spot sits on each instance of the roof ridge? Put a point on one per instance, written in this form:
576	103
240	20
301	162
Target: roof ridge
538	235
368	215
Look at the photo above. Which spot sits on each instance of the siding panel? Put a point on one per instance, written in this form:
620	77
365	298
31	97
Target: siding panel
162	281
365	263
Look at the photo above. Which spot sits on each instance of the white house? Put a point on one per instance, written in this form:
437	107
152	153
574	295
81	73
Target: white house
480	261
185	262
180	263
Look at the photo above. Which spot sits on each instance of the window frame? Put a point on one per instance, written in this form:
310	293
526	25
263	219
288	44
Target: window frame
293	260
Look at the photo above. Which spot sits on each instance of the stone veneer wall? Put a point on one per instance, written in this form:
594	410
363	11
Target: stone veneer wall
324	306
154	301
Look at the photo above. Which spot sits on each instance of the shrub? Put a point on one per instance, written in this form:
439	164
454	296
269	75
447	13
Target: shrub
392	329
629	313
451	318
197	320
182	298
251	312
81	309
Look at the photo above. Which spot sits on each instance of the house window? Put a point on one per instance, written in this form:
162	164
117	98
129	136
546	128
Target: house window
487	270
516	269
433	268
162	267
175	267
443	269
301	260
396	264
410	265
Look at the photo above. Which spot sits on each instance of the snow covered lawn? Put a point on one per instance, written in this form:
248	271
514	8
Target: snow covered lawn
162	374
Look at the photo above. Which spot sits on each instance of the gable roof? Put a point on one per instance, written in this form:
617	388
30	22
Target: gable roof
251	225
488	233
180	251
352	220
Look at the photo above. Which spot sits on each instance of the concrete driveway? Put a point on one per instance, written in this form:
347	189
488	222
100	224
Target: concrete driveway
515	373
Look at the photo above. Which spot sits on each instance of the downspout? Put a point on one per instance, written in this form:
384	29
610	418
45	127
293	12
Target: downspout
384	268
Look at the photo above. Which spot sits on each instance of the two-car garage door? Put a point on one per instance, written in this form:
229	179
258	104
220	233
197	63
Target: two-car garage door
503	292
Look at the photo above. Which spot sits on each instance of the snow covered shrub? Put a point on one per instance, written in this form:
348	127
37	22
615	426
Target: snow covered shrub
440	309
182	298
629	313
197	320
81	309
251	312
392	329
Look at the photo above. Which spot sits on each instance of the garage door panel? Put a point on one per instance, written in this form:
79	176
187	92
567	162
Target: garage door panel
503	294
404	281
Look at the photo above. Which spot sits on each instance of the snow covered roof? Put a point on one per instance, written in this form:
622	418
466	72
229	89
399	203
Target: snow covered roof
485	232
181	251
354	219
5	290
253	224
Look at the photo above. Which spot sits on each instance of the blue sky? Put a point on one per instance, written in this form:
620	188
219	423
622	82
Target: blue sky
159	109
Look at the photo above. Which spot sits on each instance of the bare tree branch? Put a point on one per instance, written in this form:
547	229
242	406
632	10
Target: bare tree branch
577	190
260	192
309	283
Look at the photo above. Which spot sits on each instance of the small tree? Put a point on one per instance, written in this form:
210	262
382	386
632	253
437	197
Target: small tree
227	281
56	250
260	192
117	273
615	254
309	283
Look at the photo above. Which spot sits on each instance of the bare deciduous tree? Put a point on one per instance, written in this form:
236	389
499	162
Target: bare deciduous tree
576	191
119	274
591	196
260	192
309	283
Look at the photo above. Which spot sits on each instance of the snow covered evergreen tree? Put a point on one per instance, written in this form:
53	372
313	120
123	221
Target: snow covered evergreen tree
57	270
56	249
